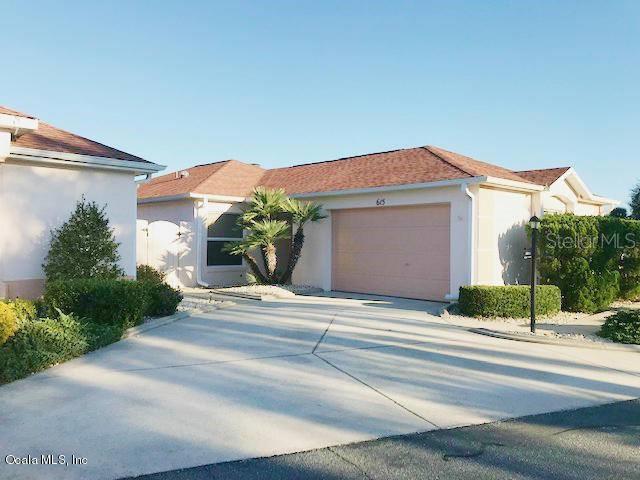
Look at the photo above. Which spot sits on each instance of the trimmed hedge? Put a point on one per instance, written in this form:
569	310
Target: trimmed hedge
105	301
39	344
508	301
623	327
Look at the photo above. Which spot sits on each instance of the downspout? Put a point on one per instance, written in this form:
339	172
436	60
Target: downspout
199	280
5	145
472	232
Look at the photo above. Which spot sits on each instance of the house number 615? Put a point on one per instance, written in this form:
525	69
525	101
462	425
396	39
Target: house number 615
380	202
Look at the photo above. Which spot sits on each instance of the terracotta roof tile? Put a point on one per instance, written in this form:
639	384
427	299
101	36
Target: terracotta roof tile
48	137
544	176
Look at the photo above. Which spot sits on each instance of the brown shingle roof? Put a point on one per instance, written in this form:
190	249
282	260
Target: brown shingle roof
544	176
230	177
48	137
397	167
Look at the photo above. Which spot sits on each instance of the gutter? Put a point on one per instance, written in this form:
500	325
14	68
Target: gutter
196	214
472	232
196	196
61	158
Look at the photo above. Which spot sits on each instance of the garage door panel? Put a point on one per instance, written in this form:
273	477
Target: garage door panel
400	286
396	264
377	239
389	218
400	251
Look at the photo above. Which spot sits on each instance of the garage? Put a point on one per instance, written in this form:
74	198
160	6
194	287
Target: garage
395	251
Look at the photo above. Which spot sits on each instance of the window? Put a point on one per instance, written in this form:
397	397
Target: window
224	230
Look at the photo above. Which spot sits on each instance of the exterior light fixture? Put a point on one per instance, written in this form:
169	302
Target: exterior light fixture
534	223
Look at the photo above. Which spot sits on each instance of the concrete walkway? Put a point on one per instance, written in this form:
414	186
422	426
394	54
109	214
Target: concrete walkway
267	378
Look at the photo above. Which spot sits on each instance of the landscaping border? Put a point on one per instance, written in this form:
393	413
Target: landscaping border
521	337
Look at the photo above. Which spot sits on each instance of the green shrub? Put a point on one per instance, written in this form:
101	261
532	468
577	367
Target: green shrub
107	301
24	309
508	301
41	343
593	260
623	327
83	247
8	322
146	273
162	298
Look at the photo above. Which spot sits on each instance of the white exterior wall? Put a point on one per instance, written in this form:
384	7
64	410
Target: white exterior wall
314	267
35	199
166	240
502	236
160	246
561	198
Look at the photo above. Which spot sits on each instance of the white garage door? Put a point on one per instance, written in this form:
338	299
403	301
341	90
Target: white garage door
396	251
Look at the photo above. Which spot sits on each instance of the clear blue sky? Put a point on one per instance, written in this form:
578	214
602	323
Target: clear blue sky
521	84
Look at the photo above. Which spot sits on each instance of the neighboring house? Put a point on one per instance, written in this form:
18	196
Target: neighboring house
415	223
44	171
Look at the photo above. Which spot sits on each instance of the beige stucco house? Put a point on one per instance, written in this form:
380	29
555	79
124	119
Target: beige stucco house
43	172
417	222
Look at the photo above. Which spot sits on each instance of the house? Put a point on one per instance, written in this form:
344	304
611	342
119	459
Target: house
416	222
44	171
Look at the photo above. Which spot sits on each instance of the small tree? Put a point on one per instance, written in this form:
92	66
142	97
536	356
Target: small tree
271	216
618	212
83	247
635	202
301	214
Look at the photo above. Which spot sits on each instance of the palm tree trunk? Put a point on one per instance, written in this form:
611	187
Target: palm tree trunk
255	269
294	255
272	261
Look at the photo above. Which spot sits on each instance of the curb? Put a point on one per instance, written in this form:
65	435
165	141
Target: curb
252	296
549	341
155	323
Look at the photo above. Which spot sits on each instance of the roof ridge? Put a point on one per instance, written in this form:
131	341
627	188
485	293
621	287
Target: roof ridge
428	149
543	169
341	158
207	177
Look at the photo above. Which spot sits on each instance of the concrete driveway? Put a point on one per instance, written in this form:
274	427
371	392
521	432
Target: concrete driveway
266	378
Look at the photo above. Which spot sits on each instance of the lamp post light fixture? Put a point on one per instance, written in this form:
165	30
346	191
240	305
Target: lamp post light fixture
534	223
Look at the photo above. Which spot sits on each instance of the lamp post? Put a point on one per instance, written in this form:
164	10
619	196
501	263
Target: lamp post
534	223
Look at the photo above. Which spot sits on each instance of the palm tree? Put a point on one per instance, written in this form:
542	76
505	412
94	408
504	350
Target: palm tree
301	213
241	248
264	235
265	204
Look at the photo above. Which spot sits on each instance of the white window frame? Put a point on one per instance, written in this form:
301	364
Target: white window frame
223	239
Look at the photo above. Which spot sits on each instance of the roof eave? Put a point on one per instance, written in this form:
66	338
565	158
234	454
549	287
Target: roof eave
391	188
73	159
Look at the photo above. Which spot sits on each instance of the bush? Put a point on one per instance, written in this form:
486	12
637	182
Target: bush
623	327
146	273
105	301
162	299
8	322
24	309
39	344
508	301
83	247
593	260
